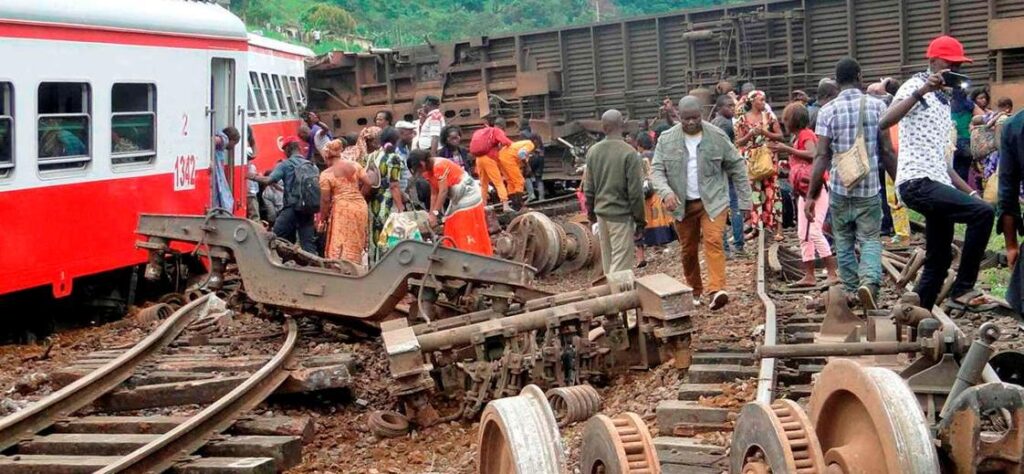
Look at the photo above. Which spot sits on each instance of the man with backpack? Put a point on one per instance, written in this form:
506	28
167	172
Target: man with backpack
301	179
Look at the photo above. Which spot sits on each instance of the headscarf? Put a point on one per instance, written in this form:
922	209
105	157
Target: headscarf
747	101
359	151
333	149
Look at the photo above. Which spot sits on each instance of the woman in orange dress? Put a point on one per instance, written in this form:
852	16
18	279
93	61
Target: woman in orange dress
341	200
465	222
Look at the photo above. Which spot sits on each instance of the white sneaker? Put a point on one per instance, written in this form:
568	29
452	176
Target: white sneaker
718	300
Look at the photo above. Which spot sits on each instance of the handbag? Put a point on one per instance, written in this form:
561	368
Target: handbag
852	165
983	141
761	165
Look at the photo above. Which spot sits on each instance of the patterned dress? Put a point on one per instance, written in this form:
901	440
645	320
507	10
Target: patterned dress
382	203
764	193
347	234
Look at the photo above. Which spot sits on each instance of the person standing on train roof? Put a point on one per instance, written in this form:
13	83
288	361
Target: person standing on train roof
614	194
856	211
927	182
464	220
431	122
223	141
694	162
484	145
319	135
290	220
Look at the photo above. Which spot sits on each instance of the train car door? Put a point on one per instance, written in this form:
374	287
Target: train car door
222	103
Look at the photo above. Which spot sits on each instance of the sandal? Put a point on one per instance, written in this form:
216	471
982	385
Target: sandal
974	301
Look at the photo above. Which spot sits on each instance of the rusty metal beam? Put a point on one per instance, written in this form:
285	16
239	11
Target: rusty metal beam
268	280
851	27
661	53
944	15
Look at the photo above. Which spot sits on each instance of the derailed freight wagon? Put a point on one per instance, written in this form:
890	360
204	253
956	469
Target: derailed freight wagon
559	81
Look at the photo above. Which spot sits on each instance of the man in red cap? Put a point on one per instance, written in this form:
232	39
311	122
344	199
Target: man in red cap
294	219
926	181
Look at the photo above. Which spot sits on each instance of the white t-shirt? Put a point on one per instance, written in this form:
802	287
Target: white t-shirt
692	170
429	128
925	136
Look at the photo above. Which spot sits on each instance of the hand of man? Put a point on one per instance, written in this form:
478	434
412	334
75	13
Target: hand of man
775	147
638	233
432	219
809	209
1012	253
933	83
671	203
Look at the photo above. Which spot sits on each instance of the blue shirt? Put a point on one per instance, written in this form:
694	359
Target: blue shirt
285	173
837	120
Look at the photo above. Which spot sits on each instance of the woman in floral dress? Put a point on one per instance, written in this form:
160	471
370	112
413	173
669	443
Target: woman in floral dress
755	128
387	197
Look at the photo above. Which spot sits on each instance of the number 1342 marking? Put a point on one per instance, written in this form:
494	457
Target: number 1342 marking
185	173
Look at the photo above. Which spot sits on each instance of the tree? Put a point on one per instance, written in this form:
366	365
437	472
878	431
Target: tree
257	14
330	18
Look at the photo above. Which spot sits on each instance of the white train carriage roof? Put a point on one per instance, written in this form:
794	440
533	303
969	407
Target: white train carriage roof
273	44
174	17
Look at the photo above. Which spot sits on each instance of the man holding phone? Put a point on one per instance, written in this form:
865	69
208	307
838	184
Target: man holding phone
926	181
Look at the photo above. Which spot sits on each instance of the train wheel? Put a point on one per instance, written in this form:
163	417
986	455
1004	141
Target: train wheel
620	445
869	421
776	438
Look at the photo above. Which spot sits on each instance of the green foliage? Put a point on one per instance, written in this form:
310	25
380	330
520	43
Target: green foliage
329	18
394	23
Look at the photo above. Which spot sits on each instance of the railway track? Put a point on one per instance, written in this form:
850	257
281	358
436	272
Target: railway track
72	430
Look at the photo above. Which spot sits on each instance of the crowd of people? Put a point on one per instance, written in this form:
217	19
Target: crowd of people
842	168
718	167
351	198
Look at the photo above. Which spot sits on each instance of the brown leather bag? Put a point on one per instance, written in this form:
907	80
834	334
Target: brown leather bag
852	165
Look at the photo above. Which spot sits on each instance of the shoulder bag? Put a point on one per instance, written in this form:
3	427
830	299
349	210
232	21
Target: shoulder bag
761	164
852	165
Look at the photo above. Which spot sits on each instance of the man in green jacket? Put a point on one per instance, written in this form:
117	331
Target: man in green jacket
613	190
693	163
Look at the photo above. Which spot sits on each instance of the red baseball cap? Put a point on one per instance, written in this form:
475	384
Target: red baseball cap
290	139
948	48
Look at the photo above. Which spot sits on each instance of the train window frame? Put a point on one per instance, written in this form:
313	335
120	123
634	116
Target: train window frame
275	79
257	91
289	95
302	90
7	115
137	157
293	84
77	162
271	101
250	102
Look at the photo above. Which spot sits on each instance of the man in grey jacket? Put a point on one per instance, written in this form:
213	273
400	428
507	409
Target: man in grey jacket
693	163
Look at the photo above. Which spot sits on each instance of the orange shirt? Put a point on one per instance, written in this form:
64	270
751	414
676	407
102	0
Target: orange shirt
444	169
510	153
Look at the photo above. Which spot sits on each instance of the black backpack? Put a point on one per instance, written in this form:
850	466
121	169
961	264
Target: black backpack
305	191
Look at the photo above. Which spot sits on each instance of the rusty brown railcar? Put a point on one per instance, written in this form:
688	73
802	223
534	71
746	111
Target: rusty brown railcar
559	80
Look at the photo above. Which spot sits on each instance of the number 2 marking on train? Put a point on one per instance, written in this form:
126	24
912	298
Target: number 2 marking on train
185	173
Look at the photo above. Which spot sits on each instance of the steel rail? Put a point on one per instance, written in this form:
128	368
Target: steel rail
165	451
87	389
766	375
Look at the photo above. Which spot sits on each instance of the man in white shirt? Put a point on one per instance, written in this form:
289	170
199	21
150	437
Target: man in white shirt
694	161
430	124
926	181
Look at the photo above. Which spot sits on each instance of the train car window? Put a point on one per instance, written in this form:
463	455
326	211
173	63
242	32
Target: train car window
293	84
250	107
269	90
6	129
64	125
302	90
132	124
257	90
278	92
289	95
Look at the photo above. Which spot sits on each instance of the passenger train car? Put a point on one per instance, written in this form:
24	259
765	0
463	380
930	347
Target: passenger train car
107	110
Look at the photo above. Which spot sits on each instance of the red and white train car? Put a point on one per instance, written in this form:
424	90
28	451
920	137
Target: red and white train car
107	109
277	94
